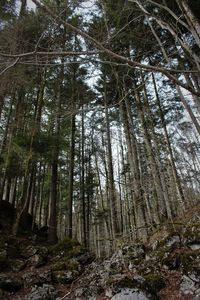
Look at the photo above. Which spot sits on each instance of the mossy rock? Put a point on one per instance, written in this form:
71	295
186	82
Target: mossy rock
64	277
153	284
124	283
66	264
65	247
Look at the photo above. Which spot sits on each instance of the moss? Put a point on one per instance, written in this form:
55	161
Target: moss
64	276
181	260
66	265
127	283
67	247
58	266
153	284
192	233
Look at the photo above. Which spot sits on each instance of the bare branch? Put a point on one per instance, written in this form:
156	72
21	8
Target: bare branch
51	53
170	12
10	66
99	45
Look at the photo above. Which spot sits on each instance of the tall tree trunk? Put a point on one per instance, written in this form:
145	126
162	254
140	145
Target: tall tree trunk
133	159
112	195
172	161
83	178
71	174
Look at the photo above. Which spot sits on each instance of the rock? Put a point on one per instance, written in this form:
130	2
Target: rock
37	260
18	265
90	292
37	256
28	251
85	258
130	294
194	246
134	251
37	278
9	283
46	292
188	285
173	241
64	276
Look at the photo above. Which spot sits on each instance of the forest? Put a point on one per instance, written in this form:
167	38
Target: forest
100	119
100	149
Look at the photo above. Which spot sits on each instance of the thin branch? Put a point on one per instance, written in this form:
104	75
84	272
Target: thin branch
10	66
96	61
99	45
51	53
170	12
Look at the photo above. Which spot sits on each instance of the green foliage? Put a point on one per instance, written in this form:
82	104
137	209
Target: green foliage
183	260
153	284
65	264
7	10
125	282
13	164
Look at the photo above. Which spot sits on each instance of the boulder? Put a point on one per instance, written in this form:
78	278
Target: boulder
18	265
130	294
36	256
45	292
40	257
32	278
190	285
64	277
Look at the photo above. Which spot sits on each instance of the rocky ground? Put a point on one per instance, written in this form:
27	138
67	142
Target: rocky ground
167	267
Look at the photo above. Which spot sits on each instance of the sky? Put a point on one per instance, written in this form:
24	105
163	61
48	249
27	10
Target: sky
30	4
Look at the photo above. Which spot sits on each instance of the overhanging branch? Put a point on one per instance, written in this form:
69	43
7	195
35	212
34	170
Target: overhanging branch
114	55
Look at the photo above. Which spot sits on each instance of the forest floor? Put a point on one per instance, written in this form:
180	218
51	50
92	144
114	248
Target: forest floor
166	268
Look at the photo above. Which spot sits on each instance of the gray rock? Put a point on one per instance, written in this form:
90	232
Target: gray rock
130	294
64	276
37	256
195	246
37	278
18	265
173	240
46	292
133	251
187	286
37	260
28	251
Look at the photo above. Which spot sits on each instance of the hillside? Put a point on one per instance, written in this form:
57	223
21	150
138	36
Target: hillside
166	268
